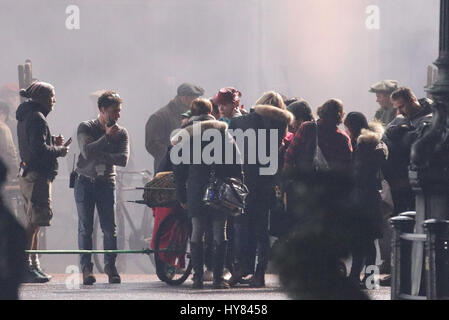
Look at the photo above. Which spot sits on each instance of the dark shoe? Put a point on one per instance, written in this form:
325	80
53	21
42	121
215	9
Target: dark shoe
237	275
112	273
385	281
258	280
88	276
197	256
384	268
218	261
34	264
45	275
221	284
32	276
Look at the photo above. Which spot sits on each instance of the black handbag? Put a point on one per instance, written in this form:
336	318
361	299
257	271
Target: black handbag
226	195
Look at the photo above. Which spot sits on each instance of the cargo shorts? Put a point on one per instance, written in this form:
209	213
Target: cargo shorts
36	191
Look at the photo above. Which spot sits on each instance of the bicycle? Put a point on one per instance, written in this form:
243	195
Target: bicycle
173	234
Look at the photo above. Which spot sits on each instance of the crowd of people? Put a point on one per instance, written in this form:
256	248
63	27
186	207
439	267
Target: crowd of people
374	154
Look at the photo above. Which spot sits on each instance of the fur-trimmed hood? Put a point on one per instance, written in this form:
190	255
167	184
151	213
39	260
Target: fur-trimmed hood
372	135
193	128
274	113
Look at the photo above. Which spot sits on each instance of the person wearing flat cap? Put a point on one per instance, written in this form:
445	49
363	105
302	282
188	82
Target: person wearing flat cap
161	124
383	89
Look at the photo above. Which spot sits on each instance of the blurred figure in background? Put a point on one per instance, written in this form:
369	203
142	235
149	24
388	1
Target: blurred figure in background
161	124
383	89
9	93
369	155
12	249
8	151
335	144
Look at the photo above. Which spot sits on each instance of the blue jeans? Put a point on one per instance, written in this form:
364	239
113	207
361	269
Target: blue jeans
251	236
88	195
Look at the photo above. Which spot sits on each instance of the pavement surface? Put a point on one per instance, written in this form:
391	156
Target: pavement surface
149	287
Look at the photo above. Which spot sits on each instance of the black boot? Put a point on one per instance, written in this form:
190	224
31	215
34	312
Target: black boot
258	280
237	274
88	276
32	276
112	273
36	266
197	256
219	259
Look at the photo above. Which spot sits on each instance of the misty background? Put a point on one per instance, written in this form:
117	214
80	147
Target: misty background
144	49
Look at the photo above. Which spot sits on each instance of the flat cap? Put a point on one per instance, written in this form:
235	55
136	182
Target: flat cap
384	86
191	90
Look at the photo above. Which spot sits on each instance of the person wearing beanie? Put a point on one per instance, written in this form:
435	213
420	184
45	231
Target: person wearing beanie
38	151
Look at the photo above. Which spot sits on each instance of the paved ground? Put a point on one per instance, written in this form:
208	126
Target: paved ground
149	287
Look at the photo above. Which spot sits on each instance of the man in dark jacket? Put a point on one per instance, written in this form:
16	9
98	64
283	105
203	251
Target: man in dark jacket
251	229
39	151
415	116
161	124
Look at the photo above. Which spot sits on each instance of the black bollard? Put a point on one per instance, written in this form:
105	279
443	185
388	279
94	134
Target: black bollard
410	214
400	256
436	260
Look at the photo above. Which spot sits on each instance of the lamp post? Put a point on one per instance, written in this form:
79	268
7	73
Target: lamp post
429	156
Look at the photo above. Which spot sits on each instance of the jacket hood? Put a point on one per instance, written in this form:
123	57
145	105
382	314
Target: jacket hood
372	135
274	113
202	126
27	107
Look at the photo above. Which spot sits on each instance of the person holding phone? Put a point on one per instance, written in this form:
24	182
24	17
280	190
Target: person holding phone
39	151
103	145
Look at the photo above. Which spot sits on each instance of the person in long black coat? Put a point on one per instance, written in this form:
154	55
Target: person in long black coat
370	153
191	179
251	229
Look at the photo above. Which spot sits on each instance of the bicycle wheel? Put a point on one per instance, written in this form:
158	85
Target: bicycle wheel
173	267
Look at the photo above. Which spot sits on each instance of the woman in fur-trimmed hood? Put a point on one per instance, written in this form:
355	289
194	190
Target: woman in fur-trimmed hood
251	229
370	153
191	179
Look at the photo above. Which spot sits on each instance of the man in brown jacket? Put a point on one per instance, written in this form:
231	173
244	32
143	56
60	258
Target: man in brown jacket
160	125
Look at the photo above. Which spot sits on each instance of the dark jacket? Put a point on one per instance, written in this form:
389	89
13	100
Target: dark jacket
399	136
370	153
191	179
335	145
269	118
159	127
36	144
